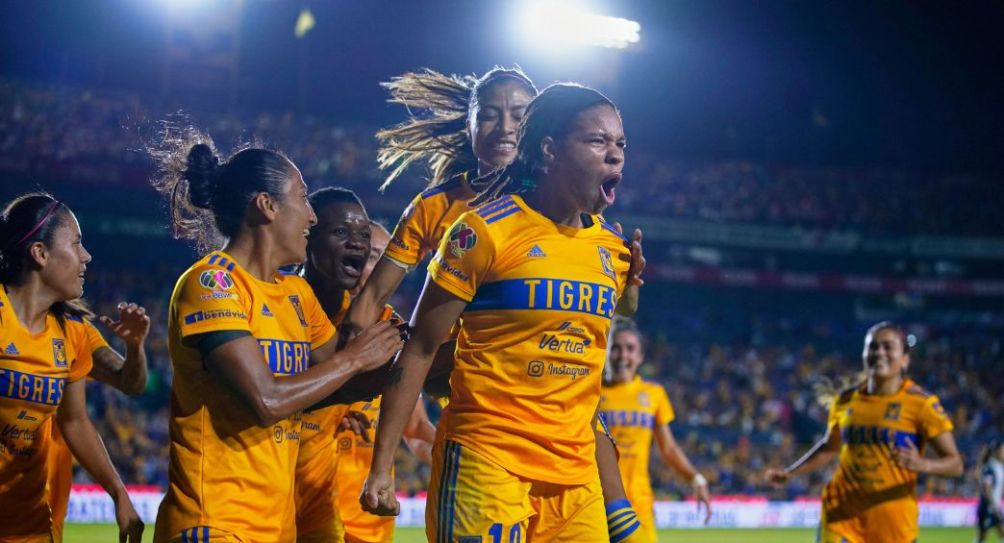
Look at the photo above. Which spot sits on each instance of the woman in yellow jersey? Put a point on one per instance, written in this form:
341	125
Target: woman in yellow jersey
339	260
47	344
536	275
879	430
251	347
636	411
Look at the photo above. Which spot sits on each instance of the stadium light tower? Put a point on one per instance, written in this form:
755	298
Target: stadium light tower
563	23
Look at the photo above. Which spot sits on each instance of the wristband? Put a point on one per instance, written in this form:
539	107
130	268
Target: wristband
699	480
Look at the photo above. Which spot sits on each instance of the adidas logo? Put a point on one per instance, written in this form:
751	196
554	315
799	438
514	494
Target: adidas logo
265	311
11	350
536	252
23	415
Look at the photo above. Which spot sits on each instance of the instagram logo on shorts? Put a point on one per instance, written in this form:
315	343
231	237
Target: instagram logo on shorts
535	368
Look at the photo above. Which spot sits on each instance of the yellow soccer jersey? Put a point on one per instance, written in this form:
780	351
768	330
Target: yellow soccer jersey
632	411
226	472
34	370
533	337
426	219
316	485
869	426
355	456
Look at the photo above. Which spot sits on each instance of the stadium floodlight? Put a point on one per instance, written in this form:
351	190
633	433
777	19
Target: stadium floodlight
563	24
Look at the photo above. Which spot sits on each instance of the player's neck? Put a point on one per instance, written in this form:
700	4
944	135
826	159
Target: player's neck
255	255
31	302
554	206
884	387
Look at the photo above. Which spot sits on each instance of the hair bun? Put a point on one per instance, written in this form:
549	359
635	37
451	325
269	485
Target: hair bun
202	169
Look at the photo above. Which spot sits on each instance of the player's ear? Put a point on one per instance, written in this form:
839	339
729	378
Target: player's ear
548	151
265	206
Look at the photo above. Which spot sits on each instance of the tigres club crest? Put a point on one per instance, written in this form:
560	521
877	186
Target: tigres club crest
607	262
216	280
295	300
59	352
461	239
644	400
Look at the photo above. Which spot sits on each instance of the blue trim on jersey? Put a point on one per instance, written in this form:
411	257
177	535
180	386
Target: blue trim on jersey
184	536
491	207
231	266
212	259
508	211
536	293
445	186
454	472
223	262
76	318
448	492
609	228
205	534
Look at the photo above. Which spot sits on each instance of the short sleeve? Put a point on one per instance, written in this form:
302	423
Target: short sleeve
833	419
933	419
208	300
464	257
86	339
405	246
320	328
664	413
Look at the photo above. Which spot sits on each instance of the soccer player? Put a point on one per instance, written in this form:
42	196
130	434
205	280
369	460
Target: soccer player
879	430
251	347
47	345
990	512
515	453
340	254
635	410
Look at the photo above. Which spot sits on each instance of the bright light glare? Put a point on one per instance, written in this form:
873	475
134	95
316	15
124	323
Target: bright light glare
562	24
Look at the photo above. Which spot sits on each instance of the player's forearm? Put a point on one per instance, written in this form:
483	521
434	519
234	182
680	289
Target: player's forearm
628	304
676	459
818	456
134	371
398	403
610	475
282	397
87	447
367	306
945	466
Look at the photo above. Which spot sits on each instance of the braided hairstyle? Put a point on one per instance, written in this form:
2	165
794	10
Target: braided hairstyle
439	109
208	196
550	114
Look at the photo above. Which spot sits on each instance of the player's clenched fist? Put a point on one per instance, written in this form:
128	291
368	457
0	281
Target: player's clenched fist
378	495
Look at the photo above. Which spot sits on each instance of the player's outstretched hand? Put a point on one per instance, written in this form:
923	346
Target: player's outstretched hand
133	324
358	422
374	346
703	497
908	457
637	257
776	477
378	496
130	525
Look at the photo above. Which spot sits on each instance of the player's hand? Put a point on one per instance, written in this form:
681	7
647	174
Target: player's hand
637	257
133	324
378	496
130	525
776	477
374	346
703	497
908	457
358	423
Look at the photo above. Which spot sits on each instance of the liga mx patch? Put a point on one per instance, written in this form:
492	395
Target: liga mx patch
216	280
59	352
462	238
607	262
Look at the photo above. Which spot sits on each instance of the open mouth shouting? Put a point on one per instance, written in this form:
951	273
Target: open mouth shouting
352	265
609	187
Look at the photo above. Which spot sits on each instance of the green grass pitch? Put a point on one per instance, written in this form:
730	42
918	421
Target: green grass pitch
102	533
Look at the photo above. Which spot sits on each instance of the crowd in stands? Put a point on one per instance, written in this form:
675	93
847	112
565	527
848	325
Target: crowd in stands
47	123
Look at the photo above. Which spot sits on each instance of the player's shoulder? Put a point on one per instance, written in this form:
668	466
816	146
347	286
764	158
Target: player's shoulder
214	273
448	190
848	394
651	386
498	213
913	390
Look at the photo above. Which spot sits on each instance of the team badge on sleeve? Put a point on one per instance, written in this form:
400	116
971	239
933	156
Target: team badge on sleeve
59	352
606	260
216	280
462	238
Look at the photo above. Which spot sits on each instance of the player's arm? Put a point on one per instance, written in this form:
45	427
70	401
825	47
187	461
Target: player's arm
367	306
675	458
948	462
627	305
622	520
235	358
420	434
90	452
437	310
821	454
128	374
